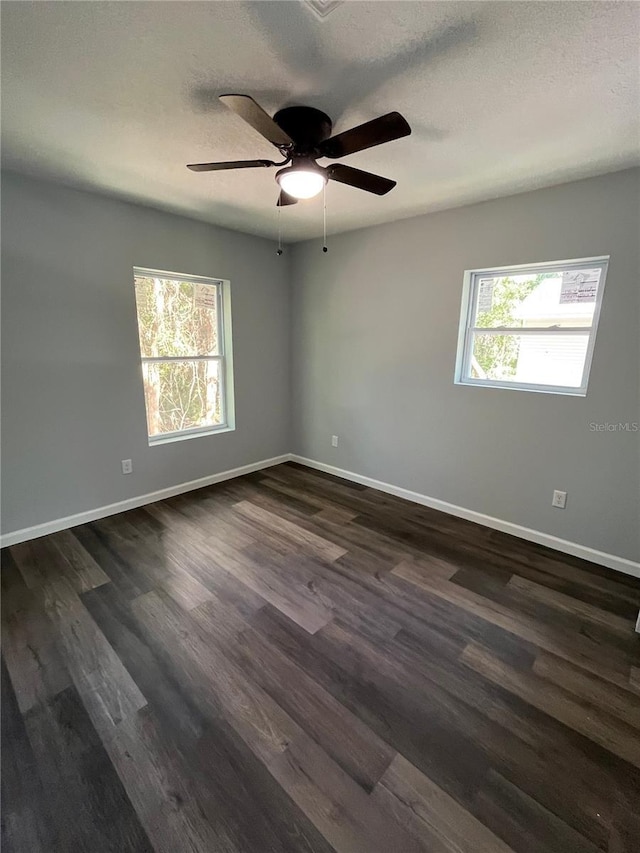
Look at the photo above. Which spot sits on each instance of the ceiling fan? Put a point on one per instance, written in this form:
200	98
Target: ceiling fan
303	136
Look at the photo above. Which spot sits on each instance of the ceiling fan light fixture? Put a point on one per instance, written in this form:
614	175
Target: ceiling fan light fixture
301	181
302	135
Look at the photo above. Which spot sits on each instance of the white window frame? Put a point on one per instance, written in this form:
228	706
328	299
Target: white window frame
468	328
224	356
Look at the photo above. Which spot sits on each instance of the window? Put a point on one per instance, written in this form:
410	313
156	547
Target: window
531	327
184	326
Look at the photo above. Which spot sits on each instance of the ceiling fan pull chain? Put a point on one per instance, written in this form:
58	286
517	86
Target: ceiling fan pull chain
324	219
279	252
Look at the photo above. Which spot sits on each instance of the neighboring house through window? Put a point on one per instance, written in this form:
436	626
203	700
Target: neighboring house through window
531	327
184	324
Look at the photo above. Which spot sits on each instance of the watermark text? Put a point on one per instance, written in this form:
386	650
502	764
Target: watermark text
629	426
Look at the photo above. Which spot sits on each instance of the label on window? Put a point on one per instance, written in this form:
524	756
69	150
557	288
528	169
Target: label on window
485	295
204	296
579	286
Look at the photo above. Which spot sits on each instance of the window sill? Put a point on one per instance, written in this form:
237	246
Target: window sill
514	386
185	436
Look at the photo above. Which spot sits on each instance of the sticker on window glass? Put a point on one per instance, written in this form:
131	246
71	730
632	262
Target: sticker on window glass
579	286
204	296
485	295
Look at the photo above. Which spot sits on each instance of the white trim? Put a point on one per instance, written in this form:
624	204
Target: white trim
57	524
520	269
184	434
224	355
468	329
620	564
147	272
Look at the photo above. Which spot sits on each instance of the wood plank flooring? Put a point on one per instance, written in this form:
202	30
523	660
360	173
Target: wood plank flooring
291	663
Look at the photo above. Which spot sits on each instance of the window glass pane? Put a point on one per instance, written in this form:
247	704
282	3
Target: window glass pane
176	318
182	395
559	299
536	359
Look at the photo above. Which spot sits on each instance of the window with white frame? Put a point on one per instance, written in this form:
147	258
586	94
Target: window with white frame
184	325
531	327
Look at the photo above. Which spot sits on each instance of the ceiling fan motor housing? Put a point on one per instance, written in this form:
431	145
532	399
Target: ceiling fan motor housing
307	126
303	135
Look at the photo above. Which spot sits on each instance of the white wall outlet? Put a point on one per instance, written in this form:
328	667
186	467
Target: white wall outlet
559	499
334	441
127	466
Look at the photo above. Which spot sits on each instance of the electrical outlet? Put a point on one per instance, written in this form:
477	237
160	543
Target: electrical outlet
559	499
334	441
127	466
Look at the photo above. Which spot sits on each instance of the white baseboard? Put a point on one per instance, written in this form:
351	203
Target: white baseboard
57	524
611	561
620	564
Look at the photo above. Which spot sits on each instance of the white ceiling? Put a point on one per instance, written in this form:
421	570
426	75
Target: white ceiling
502	97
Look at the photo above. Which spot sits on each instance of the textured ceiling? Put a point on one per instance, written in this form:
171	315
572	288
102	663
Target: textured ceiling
502	97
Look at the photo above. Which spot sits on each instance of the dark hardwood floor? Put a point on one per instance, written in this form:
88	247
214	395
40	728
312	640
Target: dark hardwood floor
288	662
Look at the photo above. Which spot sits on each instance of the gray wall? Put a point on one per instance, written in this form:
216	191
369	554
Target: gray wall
373	332
375	327
73	403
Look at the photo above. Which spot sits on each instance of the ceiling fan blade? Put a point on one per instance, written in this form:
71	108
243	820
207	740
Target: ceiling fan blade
359	179
232	164
384	129
253	114
284	199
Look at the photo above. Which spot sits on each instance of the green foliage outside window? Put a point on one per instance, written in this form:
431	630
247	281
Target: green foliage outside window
179	319
497	355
